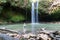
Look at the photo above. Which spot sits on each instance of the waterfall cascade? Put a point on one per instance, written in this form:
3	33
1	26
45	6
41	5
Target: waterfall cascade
34	15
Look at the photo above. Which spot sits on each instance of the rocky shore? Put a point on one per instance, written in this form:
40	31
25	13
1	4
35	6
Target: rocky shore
39	35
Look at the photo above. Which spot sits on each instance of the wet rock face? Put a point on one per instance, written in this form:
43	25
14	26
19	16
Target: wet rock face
6	37
32	39
1	38
40	39
43	36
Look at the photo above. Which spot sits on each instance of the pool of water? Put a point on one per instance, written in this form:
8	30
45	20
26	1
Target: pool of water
48	26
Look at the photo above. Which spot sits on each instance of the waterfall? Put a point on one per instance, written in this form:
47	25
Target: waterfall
34	15
36	12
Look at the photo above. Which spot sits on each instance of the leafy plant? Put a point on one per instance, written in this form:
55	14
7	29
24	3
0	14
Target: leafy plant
17	18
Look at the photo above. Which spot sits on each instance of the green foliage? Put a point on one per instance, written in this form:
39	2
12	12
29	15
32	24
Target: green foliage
1	8
17	18
3	1
44	5
56	15
10	15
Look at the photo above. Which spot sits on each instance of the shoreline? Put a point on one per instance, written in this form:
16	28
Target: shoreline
3	23
51	22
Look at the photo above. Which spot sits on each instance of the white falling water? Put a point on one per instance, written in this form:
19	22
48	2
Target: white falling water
36	12
34	15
